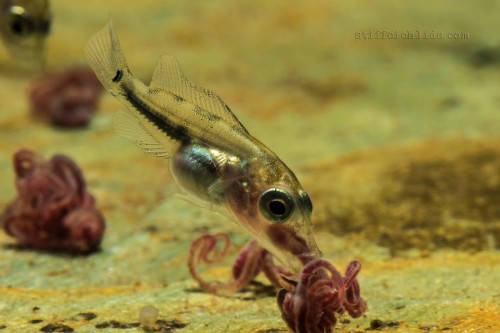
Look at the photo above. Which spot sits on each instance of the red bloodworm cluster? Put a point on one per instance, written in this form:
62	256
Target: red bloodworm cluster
68	99
313	303
250	262
310	302
53	210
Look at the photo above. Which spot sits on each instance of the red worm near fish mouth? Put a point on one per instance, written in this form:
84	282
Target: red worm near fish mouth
310	302
313	303
250	262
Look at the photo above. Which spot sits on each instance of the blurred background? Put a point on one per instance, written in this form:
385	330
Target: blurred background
388	113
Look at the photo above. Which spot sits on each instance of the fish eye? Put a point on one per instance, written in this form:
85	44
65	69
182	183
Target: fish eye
276	205
19	23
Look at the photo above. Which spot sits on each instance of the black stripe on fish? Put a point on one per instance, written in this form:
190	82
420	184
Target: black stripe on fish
176	132
118	76
178	98
205	114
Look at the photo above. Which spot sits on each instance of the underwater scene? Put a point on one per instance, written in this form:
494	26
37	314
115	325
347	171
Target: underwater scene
249	166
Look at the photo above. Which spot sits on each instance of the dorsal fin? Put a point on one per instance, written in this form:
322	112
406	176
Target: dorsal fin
168	75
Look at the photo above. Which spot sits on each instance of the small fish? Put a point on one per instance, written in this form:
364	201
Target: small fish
213	158
24	27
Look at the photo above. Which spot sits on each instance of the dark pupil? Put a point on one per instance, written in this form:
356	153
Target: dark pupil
20	25
277	207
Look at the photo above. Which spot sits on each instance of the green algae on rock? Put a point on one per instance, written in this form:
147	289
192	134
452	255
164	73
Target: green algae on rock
437	194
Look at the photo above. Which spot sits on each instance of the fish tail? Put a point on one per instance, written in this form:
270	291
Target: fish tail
105	57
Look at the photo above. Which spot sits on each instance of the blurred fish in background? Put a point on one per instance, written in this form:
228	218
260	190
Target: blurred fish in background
24	27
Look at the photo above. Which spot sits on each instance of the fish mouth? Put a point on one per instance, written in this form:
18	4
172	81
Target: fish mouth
293	248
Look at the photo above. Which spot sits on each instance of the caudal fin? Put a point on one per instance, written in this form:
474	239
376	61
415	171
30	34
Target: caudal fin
105	57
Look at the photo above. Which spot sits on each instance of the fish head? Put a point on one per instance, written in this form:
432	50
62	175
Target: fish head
271	204
24	27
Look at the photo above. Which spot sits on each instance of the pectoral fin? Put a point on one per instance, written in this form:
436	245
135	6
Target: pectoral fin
128	125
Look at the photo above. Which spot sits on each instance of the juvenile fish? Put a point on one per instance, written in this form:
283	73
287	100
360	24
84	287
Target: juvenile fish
24	27
213	158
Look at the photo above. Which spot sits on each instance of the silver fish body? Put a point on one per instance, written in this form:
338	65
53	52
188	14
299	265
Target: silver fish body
196	167
24	27
213	158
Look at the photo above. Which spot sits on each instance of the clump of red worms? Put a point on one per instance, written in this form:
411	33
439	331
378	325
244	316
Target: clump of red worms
313	303
250	262
68	99
53	210
310	302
